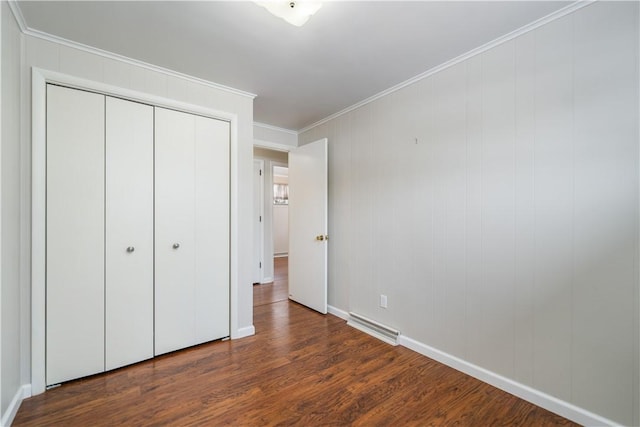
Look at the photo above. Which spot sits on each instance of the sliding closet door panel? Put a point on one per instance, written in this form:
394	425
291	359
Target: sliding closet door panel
175	229
212	225
75	234
129	233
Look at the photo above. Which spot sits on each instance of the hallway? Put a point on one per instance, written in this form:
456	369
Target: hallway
278	290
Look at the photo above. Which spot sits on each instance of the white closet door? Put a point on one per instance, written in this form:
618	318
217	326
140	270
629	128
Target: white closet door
175	315
75	234
212	229
129	233
192	211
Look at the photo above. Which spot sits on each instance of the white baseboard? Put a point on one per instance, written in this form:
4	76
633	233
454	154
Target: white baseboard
247	331
22	393
337	312
537	397
266	280
548	402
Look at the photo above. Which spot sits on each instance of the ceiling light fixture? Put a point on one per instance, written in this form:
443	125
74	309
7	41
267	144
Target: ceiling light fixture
294	12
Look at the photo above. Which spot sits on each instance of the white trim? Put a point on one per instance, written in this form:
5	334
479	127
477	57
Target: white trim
272	145
38	231
39	80
1	141
234	299
266	280
22	393
17	14
261	214
337	312
551	403
133	95
110	55
247	331
281	255
276	128
481	49
546	401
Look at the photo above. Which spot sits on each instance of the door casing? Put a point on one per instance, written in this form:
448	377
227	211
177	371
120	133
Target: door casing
39	80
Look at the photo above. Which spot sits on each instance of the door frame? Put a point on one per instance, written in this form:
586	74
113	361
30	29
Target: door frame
261	213
268	201
40	79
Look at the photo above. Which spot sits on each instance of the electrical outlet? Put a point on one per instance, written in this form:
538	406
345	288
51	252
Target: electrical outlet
383	301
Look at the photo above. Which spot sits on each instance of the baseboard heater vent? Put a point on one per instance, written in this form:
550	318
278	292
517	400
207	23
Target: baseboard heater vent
373	328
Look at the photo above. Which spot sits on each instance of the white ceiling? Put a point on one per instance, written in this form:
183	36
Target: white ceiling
347	52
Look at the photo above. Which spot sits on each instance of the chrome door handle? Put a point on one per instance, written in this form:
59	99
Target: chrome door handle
131	249
176	245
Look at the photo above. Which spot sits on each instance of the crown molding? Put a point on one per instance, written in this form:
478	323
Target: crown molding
17	13
579	4
275	128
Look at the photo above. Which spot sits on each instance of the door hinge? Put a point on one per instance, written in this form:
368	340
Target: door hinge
260	218
260	264
260	172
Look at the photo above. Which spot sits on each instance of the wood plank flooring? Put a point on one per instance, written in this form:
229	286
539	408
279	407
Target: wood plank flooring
301	368
277	290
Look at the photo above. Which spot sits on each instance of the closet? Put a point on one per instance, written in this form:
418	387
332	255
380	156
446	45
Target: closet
137	232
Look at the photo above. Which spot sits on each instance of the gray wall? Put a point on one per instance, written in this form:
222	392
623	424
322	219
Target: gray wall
10	381
496	204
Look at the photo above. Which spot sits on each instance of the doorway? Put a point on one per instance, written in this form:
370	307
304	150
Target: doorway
280	208
271	161
308	217
276	291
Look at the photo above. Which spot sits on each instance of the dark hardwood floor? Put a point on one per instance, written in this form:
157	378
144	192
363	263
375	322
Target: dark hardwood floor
278	290
301	368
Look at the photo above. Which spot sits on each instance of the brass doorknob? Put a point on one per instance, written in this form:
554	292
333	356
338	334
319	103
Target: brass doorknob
320	237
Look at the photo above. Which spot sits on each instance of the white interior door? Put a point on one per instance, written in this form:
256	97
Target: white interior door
129	233
308	216
75	234
258	218
175	317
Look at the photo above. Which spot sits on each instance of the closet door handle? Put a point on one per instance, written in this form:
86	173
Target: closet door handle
131	249
176	245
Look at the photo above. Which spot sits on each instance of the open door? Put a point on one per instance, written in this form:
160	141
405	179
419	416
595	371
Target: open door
308	225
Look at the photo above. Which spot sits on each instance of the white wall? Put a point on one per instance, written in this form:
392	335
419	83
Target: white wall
57	57
280	230
10	381
496	204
